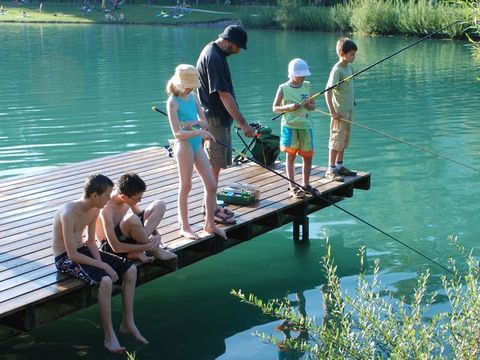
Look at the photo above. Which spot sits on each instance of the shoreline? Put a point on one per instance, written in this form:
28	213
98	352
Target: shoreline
315	19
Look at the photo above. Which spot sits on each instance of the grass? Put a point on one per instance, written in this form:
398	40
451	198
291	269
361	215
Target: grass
134	14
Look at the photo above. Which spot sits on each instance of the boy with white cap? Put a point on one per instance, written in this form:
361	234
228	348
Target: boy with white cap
292	99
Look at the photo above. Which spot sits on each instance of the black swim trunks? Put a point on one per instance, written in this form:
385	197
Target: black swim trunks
92	275
122	237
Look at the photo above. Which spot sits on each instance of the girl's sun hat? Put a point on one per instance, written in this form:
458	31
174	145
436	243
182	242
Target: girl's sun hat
298	67
186	76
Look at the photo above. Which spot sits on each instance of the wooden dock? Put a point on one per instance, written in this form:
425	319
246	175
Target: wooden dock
32	292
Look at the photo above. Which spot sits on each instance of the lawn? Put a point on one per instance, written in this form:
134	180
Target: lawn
134	13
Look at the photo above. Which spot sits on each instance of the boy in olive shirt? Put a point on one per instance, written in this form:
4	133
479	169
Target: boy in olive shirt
341	103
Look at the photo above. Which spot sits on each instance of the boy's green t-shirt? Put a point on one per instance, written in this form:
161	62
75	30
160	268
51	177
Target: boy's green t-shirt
343	96
296	119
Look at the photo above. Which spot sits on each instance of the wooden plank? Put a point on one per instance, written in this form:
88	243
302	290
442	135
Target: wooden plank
86	167
196	197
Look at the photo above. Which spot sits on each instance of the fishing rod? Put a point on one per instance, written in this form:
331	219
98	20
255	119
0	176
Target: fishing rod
331	203
154	108
375	64
403	141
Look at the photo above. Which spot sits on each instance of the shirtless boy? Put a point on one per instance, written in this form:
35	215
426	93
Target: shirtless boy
130	233
82	259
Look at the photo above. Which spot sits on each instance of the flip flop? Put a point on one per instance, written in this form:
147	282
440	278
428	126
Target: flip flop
222	218
226	211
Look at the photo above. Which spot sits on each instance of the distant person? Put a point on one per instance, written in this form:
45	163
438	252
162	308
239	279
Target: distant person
189	127
2	10
341	104
121	16
40	7
296	137
217	96
126	230
81	258
109	16
24	13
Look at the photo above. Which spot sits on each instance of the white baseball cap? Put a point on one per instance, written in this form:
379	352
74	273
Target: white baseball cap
298	67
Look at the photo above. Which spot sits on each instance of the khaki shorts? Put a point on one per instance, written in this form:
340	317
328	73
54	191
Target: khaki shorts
340	132
219	155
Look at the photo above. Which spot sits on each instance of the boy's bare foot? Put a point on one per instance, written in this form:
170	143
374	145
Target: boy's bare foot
189	234
215	230
162	254
113	346
141	256
133	330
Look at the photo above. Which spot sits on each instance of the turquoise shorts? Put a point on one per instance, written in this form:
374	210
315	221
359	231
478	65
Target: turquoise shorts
297	141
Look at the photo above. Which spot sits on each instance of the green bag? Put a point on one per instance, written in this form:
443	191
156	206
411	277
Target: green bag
264	148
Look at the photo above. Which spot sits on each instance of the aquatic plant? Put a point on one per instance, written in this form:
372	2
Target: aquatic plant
472	16
373	323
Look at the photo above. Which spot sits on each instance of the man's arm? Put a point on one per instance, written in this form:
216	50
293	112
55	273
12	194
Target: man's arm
232	108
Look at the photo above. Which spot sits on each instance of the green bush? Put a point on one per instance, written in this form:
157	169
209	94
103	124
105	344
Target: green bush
374	324
375	17
340	18
259	18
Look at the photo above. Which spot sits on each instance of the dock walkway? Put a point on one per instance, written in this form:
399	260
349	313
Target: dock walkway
31	290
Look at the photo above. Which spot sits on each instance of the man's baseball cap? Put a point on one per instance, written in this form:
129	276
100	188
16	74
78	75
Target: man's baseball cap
236	34
298	67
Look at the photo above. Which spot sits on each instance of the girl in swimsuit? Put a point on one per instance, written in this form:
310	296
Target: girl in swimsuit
189	128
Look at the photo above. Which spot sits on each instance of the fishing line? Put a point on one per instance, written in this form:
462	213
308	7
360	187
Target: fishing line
403	141
329	202
375	64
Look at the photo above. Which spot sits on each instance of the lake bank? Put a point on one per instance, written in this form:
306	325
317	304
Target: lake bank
371	17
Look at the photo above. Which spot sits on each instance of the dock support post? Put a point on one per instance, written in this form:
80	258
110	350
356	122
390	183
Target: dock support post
303	223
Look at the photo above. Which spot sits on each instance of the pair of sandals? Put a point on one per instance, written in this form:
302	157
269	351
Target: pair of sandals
222	216
298	193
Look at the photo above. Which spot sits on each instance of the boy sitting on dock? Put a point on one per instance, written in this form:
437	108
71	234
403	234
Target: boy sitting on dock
130	233
82	259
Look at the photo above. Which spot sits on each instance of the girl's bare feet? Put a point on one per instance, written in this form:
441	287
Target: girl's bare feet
113	346
133	330
189	233
215	230
141	256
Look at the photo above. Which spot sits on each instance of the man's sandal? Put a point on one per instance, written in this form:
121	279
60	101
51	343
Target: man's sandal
221	218
220	208
226	211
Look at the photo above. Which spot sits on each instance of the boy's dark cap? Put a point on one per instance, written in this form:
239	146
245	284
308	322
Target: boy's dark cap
235	34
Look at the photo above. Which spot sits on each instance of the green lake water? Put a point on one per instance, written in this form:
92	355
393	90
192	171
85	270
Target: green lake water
71	93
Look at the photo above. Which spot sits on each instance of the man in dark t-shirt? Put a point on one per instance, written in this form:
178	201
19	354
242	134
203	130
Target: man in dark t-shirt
218	97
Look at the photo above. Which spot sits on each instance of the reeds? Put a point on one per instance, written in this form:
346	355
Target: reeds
374	17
